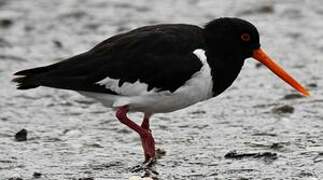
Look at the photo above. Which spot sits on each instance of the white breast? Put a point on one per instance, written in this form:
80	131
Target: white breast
137	98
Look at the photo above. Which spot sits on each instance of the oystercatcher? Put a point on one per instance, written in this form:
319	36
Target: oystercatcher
157	69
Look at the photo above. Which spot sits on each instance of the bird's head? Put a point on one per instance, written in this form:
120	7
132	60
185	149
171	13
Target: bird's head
238	38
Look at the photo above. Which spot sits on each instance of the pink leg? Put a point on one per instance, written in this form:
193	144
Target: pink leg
145	122
147	139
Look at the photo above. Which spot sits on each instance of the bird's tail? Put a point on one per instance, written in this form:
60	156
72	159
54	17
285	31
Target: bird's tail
29	78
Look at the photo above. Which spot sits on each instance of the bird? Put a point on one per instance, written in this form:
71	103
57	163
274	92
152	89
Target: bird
158	69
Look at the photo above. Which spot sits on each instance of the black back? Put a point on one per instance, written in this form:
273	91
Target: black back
161	56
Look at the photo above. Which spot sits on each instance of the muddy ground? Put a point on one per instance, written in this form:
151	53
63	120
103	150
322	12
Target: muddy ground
72	137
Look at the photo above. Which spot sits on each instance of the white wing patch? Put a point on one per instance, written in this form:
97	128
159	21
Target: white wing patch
127	89
200	53
138	98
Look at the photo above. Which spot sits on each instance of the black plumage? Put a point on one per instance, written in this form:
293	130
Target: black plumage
160	56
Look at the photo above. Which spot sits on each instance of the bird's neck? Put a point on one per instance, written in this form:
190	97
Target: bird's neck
224	70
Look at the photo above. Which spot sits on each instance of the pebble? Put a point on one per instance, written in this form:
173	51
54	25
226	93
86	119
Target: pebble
160	153
5	23
21	135
263	9
283	109
198	112
277	146
15	178
312	85
37	175
58	43
292	96
237	155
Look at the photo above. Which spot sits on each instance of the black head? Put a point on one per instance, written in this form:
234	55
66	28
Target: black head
229	41
232	36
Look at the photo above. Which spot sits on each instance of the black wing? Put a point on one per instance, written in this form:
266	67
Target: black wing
161	56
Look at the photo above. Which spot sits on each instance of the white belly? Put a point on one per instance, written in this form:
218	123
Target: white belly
137	98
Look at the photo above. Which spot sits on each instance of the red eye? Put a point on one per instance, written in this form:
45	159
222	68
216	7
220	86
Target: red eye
245	37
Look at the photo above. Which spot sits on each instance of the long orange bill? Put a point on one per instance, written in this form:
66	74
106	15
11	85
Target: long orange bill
261	56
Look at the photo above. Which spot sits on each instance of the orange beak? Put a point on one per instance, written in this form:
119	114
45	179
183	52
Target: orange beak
261	56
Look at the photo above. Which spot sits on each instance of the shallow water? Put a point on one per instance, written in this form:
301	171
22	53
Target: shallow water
71	137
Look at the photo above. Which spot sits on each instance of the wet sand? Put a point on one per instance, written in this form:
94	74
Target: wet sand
257	129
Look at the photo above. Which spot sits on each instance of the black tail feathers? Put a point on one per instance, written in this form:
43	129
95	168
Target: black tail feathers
25	83
29	78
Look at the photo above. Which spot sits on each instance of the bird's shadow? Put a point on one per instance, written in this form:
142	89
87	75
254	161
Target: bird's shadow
146	170
149	169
